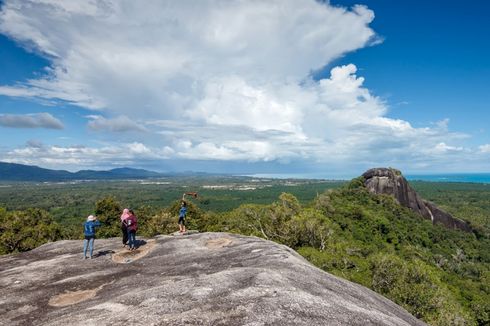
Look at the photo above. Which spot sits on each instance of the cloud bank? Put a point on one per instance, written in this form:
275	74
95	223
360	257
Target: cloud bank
36	120
217	80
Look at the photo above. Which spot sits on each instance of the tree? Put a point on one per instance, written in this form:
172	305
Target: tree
25	230
108	212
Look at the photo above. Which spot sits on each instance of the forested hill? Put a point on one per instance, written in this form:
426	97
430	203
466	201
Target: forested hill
21	172
439	275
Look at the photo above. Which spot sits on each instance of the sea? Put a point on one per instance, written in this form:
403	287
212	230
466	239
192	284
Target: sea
451	177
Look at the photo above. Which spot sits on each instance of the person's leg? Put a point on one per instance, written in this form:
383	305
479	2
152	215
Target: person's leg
91	245
183	226
130	239
133	239
124	230
85	243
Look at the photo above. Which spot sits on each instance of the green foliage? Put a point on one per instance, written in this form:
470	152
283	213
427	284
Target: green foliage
165	220
441	276
69	201
468	201
433	272
416	286
25	230
108	212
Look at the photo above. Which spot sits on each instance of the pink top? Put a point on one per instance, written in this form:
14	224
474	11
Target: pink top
125	214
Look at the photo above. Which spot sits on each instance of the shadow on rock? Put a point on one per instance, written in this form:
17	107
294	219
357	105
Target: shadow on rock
126	256
104	253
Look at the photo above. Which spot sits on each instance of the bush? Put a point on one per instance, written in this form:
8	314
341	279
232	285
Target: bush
25	230
108	211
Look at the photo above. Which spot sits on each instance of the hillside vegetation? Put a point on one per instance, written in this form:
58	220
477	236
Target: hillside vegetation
440	276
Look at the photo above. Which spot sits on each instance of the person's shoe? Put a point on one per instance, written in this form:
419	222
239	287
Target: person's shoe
84	257
91	257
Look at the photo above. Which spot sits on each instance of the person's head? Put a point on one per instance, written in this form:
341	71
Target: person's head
131	212
184	204
125	214
91	218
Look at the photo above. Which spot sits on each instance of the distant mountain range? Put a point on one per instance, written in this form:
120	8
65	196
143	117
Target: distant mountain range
21	172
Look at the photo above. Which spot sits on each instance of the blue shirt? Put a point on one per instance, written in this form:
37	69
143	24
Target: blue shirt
183	211
89	227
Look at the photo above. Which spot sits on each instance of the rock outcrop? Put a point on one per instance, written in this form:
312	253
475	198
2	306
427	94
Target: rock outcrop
391	182
199	279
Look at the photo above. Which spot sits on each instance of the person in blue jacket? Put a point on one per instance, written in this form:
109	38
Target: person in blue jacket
89	232
182	214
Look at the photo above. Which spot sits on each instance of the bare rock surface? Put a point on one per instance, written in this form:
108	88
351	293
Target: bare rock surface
391	182
197	279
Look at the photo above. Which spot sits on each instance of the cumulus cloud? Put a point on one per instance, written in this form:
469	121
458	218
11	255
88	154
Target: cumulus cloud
76	156
36	120
120	55
217	80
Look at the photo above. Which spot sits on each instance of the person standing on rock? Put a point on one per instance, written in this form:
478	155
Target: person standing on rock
132	225
124	226
89	232
182	215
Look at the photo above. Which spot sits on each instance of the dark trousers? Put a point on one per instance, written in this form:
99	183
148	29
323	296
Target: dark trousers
124	230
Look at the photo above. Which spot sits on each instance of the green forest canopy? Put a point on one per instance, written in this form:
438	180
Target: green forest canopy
439	275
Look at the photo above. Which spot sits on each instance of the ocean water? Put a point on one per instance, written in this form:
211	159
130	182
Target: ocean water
451	177
456	177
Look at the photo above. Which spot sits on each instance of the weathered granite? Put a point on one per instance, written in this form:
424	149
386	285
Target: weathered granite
199	279
391	182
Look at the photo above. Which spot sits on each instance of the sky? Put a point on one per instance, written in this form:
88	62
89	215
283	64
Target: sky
275	86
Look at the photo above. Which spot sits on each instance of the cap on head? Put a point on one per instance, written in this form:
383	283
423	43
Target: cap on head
91	218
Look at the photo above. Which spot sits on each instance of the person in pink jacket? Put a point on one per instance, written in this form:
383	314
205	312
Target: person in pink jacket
124	226
132	223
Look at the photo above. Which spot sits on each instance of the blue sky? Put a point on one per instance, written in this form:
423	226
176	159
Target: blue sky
308	87
435	57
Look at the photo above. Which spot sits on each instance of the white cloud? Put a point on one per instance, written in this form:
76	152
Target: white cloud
125	57
216	80
484	148
118	124
36	120
76	156
443	148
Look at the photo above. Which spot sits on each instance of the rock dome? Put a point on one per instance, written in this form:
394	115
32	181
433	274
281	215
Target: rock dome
198	279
